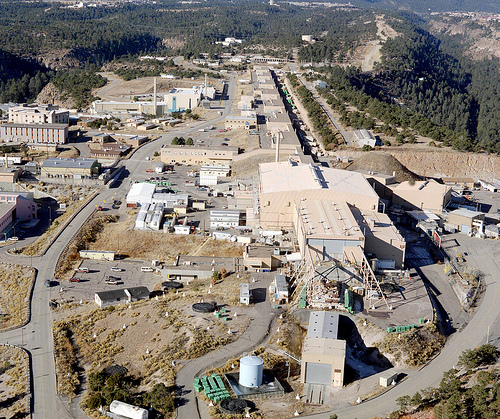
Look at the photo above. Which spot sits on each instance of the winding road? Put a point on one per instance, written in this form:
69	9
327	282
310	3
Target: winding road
36	336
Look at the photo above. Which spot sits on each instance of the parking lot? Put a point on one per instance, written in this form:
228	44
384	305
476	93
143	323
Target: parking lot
94	280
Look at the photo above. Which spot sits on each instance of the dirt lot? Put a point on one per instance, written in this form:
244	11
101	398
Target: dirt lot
14	383
15	285
148	245
142	337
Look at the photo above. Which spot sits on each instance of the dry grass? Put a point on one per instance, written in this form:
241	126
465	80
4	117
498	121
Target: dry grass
15	285
248	166
14	382
86	234
148	245
290	335
413	348
150	341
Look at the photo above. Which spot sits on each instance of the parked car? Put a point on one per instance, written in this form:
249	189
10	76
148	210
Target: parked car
47	283
111	282
113	278
14	238
81	269
116	269
147	269
99	208
74	280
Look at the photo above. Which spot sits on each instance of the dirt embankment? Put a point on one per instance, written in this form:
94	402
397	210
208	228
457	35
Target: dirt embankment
442	163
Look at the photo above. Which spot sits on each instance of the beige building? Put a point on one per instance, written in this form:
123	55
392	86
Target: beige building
76	169
38	114
261	258
341	231
179	99
281	184
236	121
464	182
323	354
423	195
199	156
101	107
9	175
97	254
34	133
467	221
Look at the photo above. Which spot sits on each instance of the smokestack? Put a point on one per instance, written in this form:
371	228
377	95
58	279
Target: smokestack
155	110
206	86
277	148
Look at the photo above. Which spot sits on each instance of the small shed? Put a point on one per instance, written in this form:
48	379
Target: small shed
466	220
279	289
388	378
492	231
245	294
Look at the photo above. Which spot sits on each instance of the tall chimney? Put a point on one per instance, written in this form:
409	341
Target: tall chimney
277	148
206	86
155	109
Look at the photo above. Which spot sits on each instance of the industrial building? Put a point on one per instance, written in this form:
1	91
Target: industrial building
466	221
34	133
144	193
227	218
128	139
126	295
421	195
199	156
323	354
281	184
238	121
179	99
75	169
127	108
365	137
15	207
258	258
38	114
336	230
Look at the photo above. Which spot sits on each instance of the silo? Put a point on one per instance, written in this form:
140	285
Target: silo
251	369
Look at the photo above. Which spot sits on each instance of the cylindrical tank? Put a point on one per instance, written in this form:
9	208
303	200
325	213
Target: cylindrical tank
128	410
251	369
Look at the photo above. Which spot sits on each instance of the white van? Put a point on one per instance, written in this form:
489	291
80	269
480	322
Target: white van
147	269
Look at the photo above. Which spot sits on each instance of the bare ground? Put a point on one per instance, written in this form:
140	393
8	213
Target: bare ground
157	245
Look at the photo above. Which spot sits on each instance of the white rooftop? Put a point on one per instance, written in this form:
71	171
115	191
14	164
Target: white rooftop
290	176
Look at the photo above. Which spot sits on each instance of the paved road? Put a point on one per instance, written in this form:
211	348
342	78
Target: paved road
256	332
36	336
473	335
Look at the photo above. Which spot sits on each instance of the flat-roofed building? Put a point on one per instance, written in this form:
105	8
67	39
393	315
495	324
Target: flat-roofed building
279	289
34	133
423	195
199	156
180	99
126	295
77	169
365	137
464	182
9	175
467	221
258	258
237	121
38	114
126	108
15	207
283	183
327	231
323	354
226	218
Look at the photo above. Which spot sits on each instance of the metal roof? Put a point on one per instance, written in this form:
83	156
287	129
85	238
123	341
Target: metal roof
323	324
69	163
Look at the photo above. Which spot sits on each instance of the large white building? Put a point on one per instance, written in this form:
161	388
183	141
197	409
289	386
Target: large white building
181	99
38	114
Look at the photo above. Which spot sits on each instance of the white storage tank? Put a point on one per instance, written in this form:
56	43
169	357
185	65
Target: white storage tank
128	410
251	370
